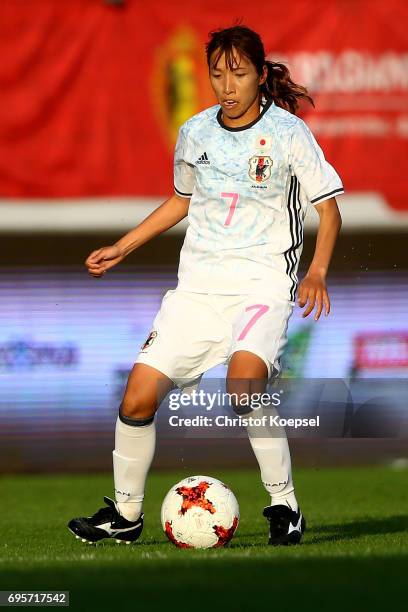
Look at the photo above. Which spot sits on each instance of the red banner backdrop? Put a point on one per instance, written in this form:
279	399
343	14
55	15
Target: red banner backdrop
92	95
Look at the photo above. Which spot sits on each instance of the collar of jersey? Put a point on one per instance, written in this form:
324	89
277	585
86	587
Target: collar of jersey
267	105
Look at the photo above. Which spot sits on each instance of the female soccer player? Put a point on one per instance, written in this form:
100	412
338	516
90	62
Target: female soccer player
245	171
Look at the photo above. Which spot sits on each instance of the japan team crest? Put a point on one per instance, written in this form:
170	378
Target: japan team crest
260	168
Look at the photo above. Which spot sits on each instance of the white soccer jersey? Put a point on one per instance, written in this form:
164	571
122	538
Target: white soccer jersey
249	188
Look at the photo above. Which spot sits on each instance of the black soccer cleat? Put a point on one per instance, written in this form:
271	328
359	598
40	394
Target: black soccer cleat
285	525
106	523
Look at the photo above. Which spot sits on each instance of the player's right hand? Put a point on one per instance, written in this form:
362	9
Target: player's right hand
101	260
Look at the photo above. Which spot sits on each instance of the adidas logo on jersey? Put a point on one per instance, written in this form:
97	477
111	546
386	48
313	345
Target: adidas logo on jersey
203	159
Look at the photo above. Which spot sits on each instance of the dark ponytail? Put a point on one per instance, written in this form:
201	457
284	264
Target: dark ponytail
283	91
278	86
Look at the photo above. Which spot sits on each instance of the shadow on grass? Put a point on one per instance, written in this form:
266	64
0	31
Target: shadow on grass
340	532
167	584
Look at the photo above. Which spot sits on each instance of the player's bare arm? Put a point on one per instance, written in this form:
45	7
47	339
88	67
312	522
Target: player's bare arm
163	218
312	290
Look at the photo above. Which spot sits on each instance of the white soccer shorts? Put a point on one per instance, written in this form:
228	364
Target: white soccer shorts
193	332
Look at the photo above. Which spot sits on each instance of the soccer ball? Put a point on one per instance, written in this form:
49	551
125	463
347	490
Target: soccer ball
200	512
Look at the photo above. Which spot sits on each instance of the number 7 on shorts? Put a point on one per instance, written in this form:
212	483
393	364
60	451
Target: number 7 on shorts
260	310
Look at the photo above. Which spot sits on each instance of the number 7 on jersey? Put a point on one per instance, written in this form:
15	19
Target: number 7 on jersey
234	201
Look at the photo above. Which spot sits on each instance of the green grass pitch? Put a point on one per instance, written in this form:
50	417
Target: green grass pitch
354	555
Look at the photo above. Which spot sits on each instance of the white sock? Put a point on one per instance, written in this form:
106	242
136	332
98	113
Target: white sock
132	457
271	449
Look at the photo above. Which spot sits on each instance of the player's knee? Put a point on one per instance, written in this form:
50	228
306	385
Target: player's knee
241	408
136	407
241	394
240	399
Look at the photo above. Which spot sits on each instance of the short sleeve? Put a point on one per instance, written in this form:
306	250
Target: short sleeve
184	173
318	178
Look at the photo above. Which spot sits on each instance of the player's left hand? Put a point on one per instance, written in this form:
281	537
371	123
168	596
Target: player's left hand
312	291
